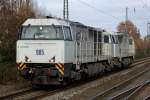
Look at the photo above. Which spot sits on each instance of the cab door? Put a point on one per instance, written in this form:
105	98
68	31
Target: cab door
107	46
115	46
68	46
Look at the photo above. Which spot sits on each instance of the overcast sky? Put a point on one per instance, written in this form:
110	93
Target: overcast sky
101	13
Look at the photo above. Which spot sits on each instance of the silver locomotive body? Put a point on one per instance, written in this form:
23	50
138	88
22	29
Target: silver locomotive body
54	51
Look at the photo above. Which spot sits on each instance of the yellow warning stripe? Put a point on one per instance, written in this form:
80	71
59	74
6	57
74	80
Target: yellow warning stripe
21	66
61	72
61	66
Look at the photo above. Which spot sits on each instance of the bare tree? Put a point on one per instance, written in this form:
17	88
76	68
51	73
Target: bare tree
132	31
12	14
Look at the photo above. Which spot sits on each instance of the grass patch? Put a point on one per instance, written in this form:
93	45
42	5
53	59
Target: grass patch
143	54
9	73
0	59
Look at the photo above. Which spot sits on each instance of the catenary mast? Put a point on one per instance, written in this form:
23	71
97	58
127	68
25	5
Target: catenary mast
66	10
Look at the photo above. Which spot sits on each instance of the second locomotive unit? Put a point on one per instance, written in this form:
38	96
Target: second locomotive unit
56	51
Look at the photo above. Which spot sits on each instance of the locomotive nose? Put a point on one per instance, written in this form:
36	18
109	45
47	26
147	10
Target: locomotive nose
37	52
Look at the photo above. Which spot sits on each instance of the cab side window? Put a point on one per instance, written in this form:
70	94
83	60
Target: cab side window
67	33
113	39
99	37
130	41
106	39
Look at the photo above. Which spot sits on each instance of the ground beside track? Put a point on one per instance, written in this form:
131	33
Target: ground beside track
9	78
10	88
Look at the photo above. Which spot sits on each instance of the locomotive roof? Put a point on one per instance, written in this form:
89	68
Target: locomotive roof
115	33
78	24
45	21
120	33
56	21
109	33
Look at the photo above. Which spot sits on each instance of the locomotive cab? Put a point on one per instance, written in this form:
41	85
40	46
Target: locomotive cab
42	50
111	45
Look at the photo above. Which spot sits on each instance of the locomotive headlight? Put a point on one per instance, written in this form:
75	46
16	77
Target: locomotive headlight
52	60
27	59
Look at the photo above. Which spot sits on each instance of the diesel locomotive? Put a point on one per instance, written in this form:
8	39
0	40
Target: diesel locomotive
56	51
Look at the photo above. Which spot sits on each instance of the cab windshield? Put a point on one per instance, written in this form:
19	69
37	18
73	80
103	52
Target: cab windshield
42	32
120	38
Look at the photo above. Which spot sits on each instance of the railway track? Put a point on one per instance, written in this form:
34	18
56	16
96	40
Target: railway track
147	98
140	89
30	94
118	86
131	93
123	84
33	94
16	93
124	94
137	62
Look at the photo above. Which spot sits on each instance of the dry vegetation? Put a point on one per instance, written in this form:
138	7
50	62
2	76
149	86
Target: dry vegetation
12	14
141	46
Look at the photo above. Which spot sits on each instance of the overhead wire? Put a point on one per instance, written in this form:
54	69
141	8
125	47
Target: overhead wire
108	14
145	5
98	10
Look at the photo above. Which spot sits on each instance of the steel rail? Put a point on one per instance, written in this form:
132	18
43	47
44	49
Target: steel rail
132	92
140	61
138	90
124	94
103	94
16	93
147	98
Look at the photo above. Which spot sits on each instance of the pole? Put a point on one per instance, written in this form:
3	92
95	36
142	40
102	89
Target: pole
66	10
126	19
126	27
146	38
